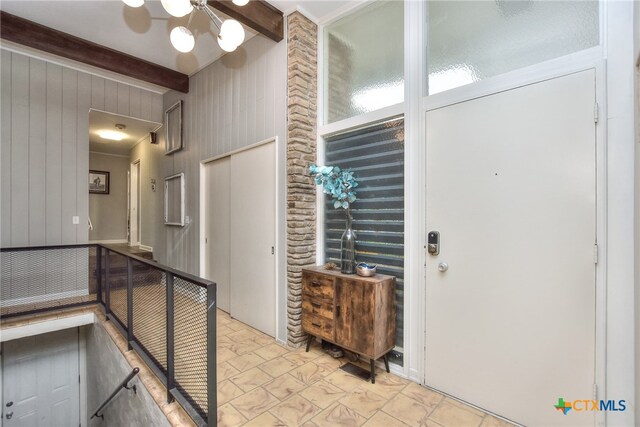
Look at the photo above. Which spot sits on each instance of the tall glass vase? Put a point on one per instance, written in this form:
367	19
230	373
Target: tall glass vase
348	248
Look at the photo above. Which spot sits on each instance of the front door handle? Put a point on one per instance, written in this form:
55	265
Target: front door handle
9	415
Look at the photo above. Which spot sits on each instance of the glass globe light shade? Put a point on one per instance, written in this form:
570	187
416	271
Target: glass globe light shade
240	2
225	45
182	39
232	32
177	8
133	3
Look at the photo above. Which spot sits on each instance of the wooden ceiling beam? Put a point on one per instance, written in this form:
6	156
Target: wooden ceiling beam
29	33
257	14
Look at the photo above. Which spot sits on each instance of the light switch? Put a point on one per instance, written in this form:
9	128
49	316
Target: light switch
76	220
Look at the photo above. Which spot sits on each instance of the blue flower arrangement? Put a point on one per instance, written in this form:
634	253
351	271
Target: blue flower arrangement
337	182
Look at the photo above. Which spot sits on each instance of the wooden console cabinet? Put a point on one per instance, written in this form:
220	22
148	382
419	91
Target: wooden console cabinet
353	312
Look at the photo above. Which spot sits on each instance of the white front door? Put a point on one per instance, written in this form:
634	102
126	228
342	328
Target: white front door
511	188
41	380
217	228
253	210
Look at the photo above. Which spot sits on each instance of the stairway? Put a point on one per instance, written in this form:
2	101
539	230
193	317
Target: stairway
143	274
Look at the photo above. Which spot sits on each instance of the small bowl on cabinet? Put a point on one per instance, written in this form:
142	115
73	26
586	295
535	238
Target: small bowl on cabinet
365	270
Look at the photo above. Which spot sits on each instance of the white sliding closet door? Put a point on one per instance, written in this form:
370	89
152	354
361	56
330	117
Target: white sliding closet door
217	228
253	177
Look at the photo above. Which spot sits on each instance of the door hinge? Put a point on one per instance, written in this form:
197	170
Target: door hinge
273	249
595	253
78	379
595	391
595	112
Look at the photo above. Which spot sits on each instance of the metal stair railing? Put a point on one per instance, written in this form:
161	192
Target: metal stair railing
122	385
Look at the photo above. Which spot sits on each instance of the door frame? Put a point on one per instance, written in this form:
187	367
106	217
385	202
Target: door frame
134	200
82	369
279	251
515	80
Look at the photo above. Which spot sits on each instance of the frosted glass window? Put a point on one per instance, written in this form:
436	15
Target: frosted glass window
471	40
364	61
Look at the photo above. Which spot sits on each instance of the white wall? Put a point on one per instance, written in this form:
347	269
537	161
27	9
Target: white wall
621	196
636	25
108	212
44	147
235	102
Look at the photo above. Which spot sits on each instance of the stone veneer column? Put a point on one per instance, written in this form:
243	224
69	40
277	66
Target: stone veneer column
302	43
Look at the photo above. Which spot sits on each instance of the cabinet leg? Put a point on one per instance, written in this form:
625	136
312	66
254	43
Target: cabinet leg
386	362
309	339
373	371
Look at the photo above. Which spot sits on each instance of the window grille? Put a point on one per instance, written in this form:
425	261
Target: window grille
376	154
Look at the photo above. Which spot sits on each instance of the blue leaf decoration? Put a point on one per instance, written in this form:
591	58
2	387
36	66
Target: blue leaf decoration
336	182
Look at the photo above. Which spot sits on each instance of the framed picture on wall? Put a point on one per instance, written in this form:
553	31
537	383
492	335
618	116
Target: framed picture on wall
98	182
173	128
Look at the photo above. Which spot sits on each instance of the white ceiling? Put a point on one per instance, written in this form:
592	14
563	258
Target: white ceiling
144	32
318	10
135	131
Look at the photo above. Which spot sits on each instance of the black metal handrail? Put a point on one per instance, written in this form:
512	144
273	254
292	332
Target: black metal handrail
176	273
202	408
120	386
166	373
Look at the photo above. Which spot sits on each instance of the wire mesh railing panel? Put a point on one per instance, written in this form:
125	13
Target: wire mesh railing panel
150	311
101	254
117	274
190	343
37	279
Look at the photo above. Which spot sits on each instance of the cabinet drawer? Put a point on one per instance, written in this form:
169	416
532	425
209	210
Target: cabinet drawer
318	326
317	285
317	307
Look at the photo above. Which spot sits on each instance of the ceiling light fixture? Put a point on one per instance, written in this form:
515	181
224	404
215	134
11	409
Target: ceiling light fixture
133	3
230	32
177	8
112	135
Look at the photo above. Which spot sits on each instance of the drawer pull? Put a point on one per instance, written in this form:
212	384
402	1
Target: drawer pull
315	283
316	304
316	325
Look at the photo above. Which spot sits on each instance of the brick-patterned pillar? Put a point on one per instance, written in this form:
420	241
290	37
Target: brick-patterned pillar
302	42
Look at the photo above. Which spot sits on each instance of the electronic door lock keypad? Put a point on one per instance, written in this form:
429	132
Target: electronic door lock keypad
433	243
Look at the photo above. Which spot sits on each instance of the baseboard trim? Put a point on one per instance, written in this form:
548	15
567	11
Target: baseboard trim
50	325
109	242
145	248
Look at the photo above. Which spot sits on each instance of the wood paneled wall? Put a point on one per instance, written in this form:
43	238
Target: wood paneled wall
235	102
44	147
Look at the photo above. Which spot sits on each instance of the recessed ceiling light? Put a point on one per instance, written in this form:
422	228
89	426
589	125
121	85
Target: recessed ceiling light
111	134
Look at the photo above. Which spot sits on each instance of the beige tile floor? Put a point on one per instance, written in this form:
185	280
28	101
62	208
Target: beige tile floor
261	383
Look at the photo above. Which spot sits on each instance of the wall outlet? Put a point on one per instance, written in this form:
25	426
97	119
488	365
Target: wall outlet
76	220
